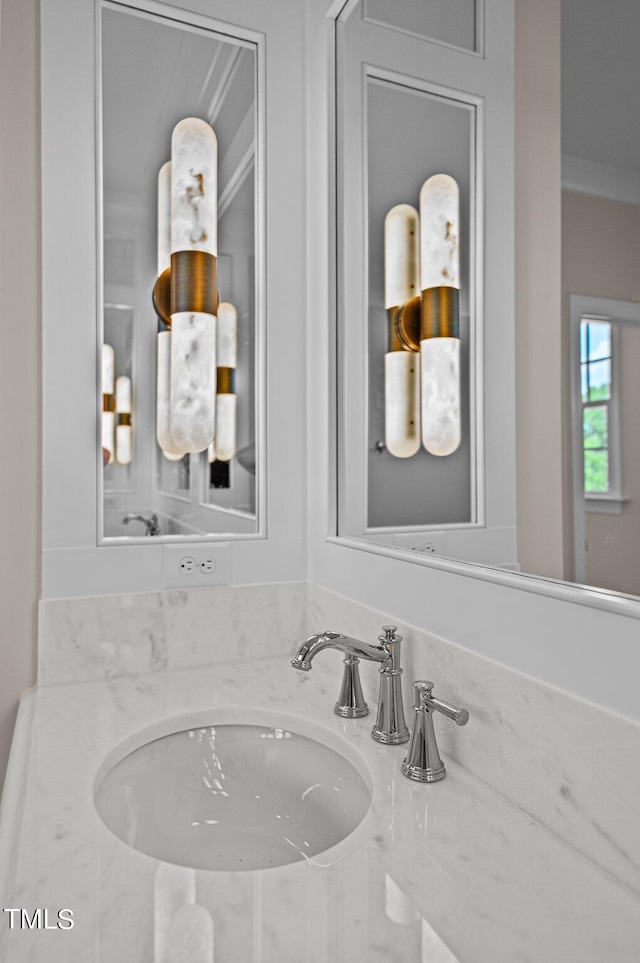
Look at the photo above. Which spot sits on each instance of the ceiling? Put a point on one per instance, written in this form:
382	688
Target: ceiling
154	73
601	82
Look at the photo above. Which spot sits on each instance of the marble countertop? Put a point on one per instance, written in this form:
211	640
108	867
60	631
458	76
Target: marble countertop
441	873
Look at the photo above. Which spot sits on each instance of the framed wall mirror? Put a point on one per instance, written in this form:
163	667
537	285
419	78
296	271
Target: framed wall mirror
180	221
462	506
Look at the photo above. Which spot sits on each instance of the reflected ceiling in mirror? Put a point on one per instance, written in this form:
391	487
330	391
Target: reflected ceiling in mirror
180	273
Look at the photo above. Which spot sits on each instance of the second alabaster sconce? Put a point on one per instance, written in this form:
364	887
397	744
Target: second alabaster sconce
223	446
422	366
117	429
186	298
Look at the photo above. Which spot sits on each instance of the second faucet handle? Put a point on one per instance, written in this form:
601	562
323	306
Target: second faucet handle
425	698
423	762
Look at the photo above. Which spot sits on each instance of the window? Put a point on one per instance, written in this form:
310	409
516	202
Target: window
598	393
595	382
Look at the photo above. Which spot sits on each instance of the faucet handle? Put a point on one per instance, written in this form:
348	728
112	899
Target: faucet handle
389	634
423	762
425	700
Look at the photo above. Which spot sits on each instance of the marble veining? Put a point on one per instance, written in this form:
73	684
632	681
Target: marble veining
439	232
194	187
402	403
448	872
569	764
113	635
440	360
193	380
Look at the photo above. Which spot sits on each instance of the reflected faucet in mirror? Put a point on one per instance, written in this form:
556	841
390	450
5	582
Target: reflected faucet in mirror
150	522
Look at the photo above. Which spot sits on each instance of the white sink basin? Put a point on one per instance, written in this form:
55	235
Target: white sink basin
233	797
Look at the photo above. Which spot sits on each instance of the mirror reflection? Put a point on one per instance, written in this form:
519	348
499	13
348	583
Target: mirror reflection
415	500
179	279
600	294
605	396
418	217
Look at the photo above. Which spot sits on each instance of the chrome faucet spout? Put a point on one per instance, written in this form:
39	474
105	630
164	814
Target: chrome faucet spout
334	640
390	724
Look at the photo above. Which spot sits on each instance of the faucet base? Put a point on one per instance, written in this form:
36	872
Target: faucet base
390	738
351	702
350	712
418	774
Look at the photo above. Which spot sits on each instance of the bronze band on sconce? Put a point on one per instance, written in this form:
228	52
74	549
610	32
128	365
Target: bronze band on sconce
124	418
226	381
194	282
190	284
108	402
440	313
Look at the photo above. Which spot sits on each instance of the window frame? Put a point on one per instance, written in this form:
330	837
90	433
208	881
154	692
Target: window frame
611	500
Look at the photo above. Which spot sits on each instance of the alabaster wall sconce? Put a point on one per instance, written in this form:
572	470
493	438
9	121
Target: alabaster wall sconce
422	282
223	447
196	402
117	428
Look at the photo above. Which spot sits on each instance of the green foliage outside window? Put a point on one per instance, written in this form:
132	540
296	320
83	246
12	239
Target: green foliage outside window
596	471
595	359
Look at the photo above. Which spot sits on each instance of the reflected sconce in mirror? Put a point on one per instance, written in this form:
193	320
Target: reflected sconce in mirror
440	314
185	295
429	323
117	430
124	429
223	447
401	368
108	404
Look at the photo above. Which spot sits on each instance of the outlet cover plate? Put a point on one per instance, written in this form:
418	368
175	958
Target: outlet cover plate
202	552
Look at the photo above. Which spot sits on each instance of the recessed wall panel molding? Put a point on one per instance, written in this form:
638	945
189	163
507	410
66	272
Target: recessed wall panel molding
458	23
425	453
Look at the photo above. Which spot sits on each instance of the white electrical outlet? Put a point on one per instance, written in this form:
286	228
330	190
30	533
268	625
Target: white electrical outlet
196	565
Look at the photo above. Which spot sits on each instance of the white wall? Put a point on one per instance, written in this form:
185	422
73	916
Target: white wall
19	357
600	251
538	288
